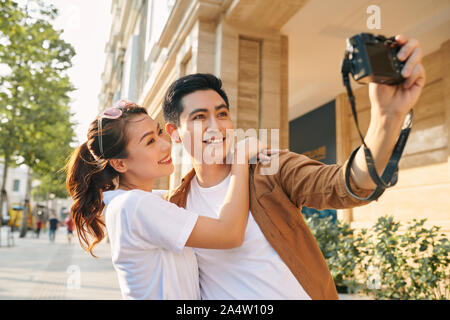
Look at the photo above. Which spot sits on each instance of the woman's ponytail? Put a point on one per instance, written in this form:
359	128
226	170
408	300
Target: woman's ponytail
89	173
86	179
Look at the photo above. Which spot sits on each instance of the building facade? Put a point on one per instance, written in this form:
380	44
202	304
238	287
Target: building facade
280	62
16	186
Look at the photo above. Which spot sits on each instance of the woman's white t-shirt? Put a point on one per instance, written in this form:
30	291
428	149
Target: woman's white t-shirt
148	236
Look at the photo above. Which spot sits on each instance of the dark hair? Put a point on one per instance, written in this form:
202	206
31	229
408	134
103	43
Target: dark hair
172	106
89	174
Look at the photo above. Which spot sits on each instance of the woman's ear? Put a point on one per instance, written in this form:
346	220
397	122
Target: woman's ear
119	165
172	130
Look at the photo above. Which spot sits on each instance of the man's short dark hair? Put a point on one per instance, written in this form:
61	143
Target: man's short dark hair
172	106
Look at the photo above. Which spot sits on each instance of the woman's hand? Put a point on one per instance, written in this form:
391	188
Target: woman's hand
252	147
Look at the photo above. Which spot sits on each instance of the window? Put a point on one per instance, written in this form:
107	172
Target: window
158	12
186	65
16	185
170	4
148	45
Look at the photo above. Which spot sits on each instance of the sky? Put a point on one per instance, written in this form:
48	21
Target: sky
86	26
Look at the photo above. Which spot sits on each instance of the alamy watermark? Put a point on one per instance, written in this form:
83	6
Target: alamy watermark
74	279
374	20
374	279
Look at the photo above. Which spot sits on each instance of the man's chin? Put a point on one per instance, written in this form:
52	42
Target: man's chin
215	154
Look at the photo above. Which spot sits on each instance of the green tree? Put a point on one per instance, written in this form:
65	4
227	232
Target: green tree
34	102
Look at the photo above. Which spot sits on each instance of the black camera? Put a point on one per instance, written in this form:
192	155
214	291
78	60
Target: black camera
373	58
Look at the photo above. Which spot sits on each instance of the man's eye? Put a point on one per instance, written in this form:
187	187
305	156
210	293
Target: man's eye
200	116
223	114
160	131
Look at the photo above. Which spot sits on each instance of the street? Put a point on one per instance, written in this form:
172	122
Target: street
37	269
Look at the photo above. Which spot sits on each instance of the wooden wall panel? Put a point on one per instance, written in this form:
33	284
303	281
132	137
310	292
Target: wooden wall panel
249	84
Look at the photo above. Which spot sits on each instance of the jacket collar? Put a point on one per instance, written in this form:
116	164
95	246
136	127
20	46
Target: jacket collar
179	194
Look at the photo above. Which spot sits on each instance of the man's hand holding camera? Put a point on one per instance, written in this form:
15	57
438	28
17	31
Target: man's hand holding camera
397	100
390	105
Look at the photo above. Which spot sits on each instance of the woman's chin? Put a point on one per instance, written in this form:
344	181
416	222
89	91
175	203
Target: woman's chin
164	171
167	170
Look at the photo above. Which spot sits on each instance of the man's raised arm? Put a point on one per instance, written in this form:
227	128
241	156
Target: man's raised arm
389	108
313	184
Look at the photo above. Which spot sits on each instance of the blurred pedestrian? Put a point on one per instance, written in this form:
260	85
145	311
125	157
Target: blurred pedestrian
38	228
69	224
53	226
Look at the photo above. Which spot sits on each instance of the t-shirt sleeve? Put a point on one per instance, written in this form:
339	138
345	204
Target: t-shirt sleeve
158	223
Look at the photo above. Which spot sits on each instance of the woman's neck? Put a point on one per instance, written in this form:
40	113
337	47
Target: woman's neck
124	184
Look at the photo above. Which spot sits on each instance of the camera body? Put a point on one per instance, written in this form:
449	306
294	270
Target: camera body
373	58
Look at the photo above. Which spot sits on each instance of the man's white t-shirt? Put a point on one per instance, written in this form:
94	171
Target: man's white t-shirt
251	271
148	236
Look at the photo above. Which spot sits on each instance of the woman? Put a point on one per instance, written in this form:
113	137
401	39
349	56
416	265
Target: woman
150	238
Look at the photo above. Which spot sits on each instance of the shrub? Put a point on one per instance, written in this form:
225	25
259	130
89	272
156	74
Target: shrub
336	242
383	261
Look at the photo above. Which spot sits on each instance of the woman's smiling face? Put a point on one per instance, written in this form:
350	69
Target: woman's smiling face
149	152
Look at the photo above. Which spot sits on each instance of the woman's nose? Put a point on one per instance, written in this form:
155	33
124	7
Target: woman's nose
166	143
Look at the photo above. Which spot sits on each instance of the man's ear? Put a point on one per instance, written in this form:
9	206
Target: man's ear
172	130
119	165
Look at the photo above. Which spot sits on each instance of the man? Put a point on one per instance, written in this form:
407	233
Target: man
279	258
53	226
38	227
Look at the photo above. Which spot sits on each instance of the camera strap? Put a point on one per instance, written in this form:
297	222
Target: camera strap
390	175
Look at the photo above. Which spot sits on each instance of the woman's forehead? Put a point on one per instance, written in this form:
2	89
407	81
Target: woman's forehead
140	125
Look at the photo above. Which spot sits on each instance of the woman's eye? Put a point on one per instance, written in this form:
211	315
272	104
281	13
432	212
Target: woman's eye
160	131
150	141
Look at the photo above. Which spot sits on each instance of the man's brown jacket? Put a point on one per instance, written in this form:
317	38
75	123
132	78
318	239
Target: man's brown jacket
274	203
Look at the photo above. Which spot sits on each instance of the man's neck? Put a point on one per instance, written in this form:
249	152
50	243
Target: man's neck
209	175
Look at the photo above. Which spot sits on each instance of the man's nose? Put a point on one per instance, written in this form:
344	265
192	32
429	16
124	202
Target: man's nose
212	123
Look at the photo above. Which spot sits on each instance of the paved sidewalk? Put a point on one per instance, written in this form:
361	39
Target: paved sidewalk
37	269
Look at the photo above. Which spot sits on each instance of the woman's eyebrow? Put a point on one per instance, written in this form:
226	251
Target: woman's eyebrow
149	133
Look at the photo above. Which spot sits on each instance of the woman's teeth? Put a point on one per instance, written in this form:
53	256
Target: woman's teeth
167	161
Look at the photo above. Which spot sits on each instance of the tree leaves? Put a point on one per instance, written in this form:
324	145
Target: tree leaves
38	129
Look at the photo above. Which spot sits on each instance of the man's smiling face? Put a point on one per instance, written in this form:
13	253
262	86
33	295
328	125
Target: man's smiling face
204	125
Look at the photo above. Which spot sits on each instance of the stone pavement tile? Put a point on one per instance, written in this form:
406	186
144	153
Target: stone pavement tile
38	269
98	279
